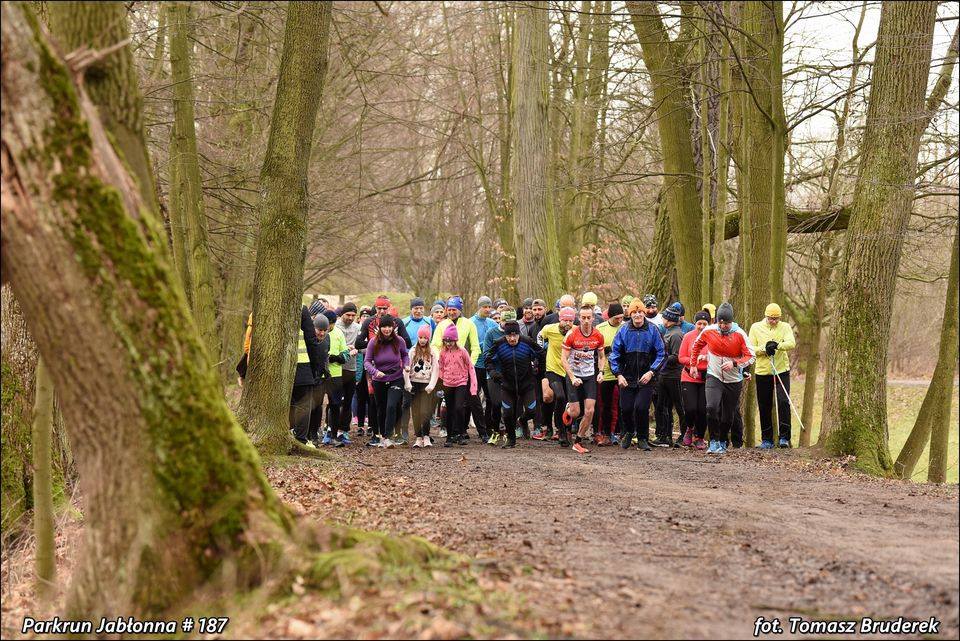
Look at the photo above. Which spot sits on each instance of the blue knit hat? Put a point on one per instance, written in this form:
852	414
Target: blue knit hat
456	302
416	302
673	312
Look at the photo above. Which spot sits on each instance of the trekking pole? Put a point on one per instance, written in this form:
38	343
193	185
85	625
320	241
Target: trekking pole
776	376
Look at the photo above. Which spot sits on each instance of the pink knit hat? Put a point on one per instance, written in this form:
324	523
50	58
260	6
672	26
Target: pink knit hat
567	314
424	331
450	333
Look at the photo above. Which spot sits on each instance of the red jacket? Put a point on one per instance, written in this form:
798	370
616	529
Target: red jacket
720	347
684	357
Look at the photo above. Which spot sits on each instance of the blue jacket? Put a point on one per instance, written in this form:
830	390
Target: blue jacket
636	351
484	325
512	367
488	341
412	326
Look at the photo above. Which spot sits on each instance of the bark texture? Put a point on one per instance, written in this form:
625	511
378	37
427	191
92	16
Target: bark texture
855	416
535	229
43	522
173	491
281	249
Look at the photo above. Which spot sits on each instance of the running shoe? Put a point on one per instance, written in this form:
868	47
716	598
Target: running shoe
567	419
494	438
688	437
402	441
714	447
418	442
615	439
344	438
625	442
309	444
374	441
327	439
450	442
766	445
721	448
443	433
387	443
643	445
579	448
555	436
658	442
699	443
427	442
784	443
537	435
564	443
518	432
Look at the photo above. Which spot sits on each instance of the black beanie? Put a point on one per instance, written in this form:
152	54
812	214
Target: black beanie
348	307
725	313
321	322
386	321
701	315
511	327
615	309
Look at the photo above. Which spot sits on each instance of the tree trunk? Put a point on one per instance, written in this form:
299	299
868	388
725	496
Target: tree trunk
203	296
660	273
811	363
934	417
854	414
535	230
673	122
43	522
281	248
173	491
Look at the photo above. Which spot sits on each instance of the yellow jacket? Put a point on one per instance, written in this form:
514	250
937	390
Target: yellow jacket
760	334
466	336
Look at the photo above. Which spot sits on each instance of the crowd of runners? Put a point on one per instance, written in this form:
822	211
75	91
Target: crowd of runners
575	373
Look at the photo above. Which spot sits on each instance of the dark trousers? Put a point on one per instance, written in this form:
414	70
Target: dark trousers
330	389
723	402
475	405
635	411
348	382
421	408
301	402
559	386
455	399
483	384
538	415
517	405
694	407
363	401
387	399
495	409
668	401
608	414
765	389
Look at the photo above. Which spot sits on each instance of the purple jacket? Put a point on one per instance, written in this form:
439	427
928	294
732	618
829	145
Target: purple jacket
388	360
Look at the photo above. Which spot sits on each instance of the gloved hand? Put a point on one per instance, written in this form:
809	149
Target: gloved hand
771	347
496	376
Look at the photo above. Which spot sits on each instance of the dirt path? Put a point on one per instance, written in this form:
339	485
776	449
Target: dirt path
670	543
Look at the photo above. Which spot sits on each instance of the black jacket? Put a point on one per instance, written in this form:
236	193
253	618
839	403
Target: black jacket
512	366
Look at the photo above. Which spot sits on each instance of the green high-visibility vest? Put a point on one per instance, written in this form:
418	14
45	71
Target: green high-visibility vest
302	355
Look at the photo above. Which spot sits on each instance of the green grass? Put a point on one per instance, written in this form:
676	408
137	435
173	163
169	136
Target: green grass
903	405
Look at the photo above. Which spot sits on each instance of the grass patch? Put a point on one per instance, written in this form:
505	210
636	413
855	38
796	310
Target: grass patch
903	406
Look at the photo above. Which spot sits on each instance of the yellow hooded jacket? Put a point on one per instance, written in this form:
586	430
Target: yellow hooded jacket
760	334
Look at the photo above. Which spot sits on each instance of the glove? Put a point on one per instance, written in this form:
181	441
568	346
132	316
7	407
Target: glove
771	347
497	377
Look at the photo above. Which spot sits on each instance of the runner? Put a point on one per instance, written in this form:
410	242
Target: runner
437	313
348	378
543	417
692	385
729	352
455	369
582	358
385	362
496	413
483	323
668	382
608	397
416	319
635	357
423	361
510	360
772	339
555	385
468	339
332	388
309	370
711	309
651	308
590	300
525	314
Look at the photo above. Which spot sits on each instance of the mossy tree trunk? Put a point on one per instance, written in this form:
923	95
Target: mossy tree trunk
192	213
281	249
173	491
854	413
43	522
933	421
674	115
535	227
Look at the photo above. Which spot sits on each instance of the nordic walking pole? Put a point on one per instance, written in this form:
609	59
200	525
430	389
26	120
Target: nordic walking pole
776	376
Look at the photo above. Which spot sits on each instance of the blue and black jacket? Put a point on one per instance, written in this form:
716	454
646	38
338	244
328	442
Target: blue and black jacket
636	351
512	367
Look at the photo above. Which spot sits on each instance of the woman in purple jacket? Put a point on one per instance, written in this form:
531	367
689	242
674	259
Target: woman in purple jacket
385	362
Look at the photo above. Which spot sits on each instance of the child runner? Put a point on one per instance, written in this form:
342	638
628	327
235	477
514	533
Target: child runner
423	362
455	369
582	358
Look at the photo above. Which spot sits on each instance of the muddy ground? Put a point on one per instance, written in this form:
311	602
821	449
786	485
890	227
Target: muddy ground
669	543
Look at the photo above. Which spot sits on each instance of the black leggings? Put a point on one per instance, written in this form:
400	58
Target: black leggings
635	411
558	384
694	407
668	400
456	401
363	401
388	396
495	413
348	381
723	403
517	406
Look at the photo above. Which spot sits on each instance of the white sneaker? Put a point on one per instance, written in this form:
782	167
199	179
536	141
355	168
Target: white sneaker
418	442
427	442
443	433
387	443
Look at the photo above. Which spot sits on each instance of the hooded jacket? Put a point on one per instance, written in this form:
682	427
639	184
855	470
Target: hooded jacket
733	345
760	334
308	373
466	336
636	351
350	334
672	339
389	359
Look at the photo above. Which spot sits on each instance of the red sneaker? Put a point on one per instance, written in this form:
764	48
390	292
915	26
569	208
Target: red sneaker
699	443
538	435
579	448
688	437
555	437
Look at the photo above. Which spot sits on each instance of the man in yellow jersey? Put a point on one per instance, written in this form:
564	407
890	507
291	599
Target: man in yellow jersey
555	388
